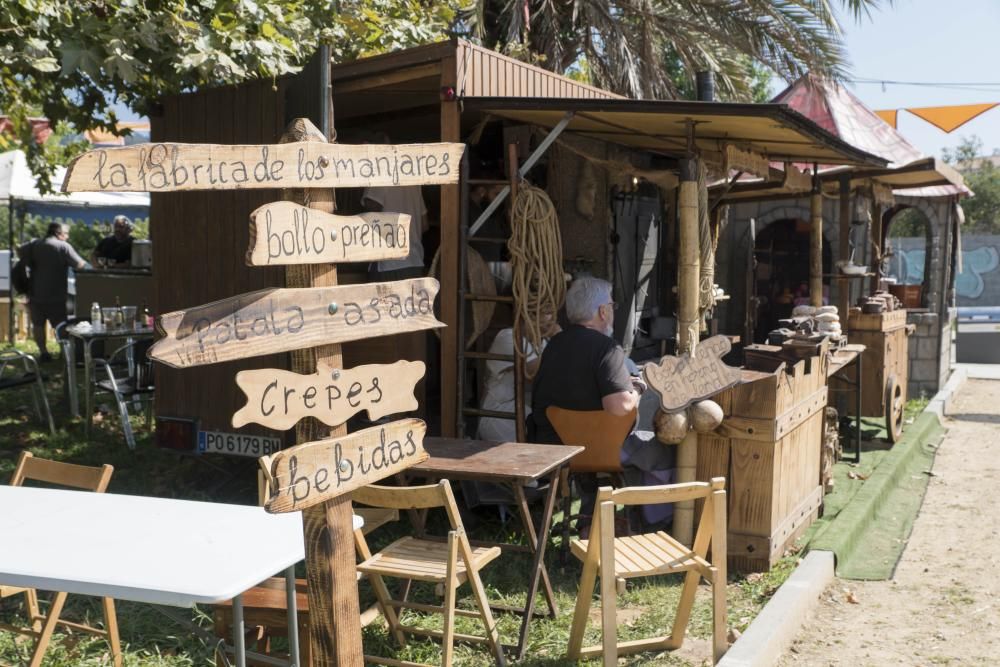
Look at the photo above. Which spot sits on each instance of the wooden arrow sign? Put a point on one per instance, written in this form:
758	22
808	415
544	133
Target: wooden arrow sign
287	233
314	472
281	320
302	164
278	399
680	381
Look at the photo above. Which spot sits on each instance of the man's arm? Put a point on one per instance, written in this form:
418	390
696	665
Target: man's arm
618	394
620	403
73	258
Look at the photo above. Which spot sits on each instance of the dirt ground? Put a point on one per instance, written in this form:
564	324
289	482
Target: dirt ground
943	605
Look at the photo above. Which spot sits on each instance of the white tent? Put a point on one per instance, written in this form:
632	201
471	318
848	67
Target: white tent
18	183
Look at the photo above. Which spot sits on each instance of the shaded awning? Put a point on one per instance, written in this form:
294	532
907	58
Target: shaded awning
772	130
921	173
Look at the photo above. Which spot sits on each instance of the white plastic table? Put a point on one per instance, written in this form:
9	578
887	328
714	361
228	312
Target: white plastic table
169	552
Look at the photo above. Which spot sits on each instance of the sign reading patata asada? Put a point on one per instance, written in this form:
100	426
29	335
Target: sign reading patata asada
314	472
281	320
304	164
278	399
287	233
680	381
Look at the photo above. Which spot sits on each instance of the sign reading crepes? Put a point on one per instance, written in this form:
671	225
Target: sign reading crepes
281	320
680	381
278	399
314	472
303	164
287	233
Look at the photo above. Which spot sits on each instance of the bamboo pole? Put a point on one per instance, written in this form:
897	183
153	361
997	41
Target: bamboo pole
816	247
844	286
687	328
876	239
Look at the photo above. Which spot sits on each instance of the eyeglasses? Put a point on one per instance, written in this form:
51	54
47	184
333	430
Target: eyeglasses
614	306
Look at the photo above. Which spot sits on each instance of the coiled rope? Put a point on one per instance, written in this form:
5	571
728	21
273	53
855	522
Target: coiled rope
536	258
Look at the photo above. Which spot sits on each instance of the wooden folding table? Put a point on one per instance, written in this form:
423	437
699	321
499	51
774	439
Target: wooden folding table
516	465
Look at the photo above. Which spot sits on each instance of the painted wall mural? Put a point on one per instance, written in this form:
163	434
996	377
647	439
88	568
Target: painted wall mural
979	282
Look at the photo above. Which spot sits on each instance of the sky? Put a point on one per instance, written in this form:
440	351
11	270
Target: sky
952	41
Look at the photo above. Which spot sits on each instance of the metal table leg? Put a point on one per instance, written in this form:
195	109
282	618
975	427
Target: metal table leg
74	396
88	379
293	617
857	414
239	636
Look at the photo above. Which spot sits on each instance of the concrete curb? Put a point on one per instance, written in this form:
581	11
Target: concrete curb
941	403
860	512
778	622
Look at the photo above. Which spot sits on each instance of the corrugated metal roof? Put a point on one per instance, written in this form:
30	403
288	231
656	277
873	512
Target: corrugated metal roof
773	130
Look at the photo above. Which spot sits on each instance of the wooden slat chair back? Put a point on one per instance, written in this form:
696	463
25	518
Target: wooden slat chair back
265	606
449	564
85	478
648	555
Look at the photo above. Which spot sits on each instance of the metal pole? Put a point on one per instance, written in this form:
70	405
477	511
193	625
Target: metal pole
293	616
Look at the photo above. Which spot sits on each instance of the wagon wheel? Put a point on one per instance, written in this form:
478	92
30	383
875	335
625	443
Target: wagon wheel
894	409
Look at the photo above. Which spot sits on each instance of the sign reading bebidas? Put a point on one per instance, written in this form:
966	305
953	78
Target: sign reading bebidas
303	164
314	472
278	399
288	233
281	320
680	381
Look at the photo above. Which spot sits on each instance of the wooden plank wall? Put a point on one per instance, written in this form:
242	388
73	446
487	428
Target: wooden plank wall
200	238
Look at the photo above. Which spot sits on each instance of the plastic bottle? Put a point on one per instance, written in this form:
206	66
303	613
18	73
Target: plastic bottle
95	315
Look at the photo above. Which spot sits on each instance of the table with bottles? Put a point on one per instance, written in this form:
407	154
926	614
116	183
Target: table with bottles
127	323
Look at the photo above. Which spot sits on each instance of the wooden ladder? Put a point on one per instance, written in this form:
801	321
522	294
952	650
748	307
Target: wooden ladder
464	297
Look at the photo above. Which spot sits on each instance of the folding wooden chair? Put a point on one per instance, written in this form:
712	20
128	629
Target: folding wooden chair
42	626
265	606
649	555
449	564
601	434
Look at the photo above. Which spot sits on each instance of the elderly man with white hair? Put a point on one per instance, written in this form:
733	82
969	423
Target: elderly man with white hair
583	368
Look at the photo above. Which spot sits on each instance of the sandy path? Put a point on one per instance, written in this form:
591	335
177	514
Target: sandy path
943	605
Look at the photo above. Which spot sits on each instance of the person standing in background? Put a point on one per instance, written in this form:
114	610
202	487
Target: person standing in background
402	199
49	259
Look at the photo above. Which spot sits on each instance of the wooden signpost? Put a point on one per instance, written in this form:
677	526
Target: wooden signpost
681	381
315	472
282	320
302	164
287	233
309	318
278	399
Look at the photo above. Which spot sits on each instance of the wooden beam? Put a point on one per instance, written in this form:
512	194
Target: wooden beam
451	127
335	613
844	232
816	248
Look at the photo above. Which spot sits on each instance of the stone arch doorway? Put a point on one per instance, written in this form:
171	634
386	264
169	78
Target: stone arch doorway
781	272
906	259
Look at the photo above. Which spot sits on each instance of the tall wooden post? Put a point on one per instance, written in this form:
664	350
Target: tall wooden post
816	244
451	131
334	618
687	327
876	279
844	286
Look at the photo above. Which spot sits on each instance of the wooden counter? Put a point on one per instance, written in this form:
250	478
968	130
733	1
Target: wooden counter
131	287
768	449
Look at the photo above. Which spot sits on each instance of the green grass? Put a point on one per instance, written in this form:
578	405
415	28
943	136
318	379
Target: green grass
149	638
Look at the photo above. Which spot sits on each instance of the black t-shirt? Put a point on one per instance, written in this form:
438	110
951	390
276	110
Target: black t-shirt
115	250
579	367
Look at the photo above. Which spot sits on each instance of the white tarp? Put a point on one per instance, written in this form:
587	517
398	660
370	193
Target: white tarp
17	182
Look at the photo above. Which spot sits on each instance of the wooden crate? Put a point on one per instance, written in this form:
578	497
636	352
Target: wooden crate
768	449
886	354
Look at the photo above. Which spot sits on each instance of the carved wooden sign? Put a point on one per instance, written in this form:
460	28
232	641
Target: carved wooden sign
282	320
314	472
288	233
680	381
303	164
278	399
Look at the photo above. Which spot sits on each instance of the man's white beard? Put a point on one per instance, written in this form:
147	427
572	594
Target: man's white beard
609	330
